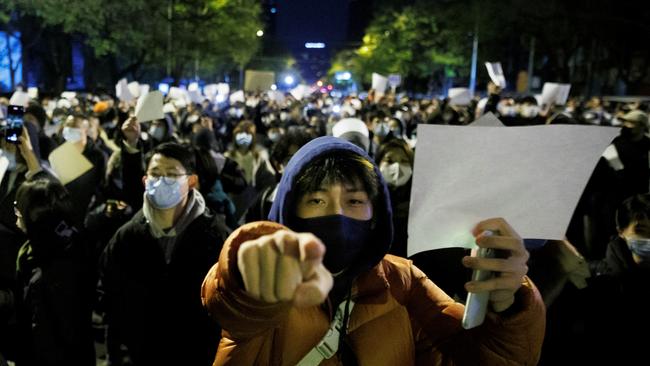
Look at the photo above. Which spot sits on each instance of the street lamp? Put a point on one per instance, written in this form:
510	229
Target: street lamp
288	80
260	33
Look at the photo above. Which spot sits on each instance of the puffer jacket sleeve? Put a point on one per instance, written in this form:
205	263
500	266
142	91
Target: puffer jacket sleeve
223	294
513	337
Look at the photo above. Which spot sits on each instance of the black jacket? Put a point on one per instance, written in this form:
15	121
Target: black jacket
153	310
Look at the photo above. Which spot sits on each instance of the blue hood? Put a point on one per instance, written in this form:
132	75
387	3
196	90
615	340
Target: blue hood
382	235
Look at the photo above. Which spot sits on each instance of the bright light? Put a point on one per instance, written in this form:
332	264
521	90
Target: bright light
345	75
260	33
319	83
289	79
274	10
274	87
330	87
314	45
164	88
336	109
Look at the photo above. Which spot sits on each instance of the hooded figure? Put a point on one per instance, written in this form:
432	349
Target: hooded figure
285	296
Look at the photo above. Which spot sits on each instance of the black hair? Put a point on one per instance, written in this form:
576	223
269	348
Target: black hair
46	208
344	167
294	137
206	169
394	143
182	153
633	209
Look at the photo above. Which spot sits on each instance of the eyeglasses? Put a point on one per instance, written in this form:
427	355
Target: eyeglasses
168	179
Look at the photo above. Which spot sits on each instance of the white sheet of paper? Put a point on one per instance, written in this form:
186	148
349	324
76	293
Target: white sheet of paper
223	89
237	96
122	91
177	93
144	89
4	164
193	86
487	120
69	95
379	83
394	80
276	96
20	98
496	73
134	89
258	80
68	163
300	91
531	176
211	90
32	91
195	96
459	96
555	93
150	107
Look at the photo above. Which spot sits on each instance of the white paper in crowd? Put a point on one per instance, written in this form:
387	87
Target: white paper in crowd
4	164
68	163
64	104
134	88
177	93
149	107
193	86
32	91
69	95
555	93
258	80
611	155
20	98
276	96
487	120
169	108
195	96
459	96
531	176
394	80
538	98
211	90
122	91
496	73
144	89
379	83
237	96
223	89
300	91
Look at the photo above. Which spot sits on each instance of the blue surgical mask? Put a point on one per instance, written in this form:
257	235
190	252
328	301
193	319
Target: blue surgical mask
274	136
11	157
243	139
344	238
381	129
640	247
164	192
157	133
72	134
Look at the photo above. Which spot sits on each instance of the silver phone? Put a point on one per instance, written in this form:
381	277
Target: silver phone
477	302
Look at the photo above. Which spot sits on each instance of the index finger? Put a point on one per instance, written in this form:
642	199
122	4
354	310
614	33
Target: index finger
303	246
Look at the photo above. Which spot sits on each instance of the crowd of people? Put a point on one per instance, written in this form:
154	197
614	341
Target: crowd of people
237	232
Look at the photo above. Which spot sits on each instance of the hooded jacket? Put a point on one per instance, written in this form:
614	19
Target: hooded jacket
400	316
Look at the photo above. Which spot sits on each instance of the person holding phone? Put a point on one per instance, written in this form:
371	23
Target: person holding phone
317	286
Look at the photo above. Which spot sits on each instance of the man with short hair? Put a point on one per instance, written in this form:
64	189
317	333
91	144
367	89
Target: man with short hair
317	287
151	271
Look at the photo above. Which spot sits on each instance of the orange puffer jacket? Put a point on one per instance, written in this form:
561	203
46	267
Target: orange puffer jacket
400	318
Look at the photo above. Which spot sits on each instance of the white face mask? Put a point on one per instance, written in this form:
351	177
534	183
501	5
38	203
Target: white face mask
396	174
72	134
529	111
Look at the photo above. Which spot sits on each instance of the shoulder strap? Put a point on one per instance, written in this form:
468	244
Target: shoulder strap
329	345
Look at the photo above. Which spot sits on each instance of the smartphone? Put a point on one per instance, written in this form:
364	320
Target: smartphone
477	302
14	124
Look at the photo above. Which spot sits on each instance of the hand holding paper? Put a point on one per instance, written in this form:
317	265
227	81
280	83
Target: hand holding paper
131	130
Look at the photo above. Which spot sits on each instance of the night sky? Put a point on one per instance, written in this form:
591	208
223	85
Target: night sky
298	22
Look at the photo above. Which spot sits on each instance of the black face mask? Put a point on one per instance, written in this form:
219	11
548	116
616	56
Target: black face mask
344	237
627	132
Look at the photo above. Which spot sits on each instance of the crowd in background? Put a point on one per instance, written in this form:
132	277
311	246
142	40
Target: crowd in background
58	242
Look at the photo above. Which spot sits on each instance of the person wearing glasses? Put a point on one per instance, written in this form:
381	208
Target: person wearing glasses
152	269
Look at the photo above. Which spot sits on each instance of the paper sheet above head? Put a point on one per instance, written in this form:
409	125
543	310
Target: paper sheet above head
20	98
258	81
68	95
531	176
555	93
176	93
68	163
122	91
150	107
276	96
193	86
237	96
195	96
300	91
32	91
459	96
144	89
211	90
495	71
223	89
487	120
379	84
134	89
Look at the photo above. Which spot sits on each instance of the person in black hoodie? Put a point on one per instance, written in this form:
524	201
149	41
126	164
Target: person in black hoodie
55	280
